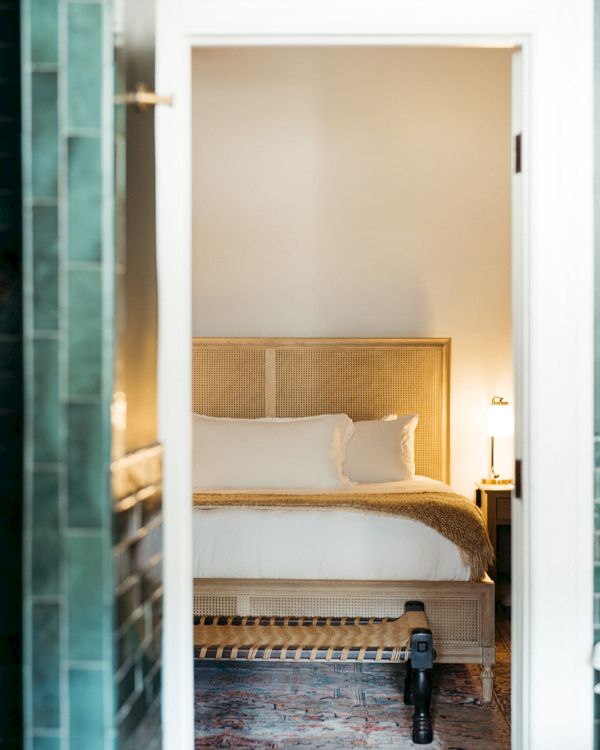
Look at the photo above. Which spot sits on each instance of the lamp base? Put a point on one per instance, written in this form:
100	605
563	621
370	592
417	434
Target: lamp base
487	480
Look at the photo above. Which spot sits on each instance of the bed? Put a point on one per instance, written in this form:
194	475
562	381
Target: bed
342	561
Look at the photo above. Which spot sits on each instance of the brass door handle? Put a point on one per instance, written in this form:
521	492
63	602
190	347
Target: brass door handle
142	98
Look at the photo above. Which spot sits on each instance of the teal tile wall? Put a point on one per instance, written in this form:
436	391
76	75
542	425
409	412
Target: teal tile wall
85	504
86	722
44	133
45	665
46	545
68	298
85	331
45	267
44	31
137	536
85	55
47	428
85	186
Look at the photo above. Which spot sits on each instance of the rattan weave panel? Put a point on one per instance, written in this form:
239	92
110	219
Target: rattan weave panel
228	381
368	383
366	380
452	621
222	605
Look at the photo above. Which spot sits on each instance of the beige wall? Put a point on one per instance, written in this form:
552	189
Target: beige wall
360	192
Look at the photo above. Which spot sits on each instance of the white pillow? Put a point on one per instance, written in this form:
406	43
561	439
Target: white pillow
264	453
382	450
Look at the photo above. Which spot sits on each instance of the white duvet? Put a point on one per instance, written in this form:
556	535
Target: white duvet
324	544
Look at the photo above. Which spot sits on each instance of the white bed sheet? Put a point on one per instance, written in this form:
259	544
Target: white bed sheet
324	544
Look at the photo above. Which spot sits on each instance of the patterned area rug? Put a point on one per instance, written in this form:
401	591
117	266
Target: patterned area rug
355	705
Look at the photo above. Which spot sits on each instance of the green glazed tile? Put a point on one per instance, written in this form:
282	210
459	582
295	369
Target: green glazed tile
44	145
85	333
46	665
45	267
47	410
46	743
45	548
87	501
85	596
85	199
84	65
86	709
43	21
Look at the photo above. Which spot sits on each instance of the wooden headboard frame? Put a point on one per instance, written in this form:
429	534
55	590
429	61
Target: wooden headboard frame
299	377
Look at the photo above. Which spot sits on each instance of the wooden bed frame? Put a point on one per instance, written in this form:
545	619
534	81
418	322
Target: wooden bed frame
366	379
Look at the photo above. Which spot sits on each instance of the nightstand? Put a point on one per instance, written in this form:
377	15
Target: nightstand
495	501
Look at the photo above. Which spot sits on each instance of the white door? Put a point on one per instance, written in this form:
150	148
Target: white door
519	594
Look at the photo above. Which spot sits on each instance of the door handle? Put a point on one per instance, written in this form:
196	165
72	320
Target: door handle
518	489
142	98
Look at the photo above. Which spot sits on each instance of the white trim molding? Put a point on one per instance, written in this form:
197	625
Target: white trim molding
553	314
173	239
558	480
344	18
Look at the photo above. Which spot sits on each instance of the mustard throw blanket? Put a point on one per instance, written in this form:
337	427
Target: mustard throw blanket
453	516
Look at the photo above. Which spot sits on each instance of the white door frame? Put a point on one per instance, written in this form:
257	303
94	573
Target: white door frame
553	317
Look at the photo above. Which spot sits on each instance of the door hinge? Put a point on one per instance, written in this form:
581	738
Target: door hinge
518	153
518	478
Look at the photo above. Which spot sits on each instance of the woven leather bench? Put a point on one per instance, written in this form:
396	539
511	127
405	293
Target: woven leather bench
406	638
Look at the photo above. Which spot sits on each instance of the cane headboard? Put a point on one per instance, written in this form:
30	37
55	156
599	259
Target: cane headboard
364	378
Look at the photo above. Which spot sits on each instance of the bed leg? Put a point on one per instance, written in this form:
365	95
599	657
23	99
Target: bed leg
421	644
487	673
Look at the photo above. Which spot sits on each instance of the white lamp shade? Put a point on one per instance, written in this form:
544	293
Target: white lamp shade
500	420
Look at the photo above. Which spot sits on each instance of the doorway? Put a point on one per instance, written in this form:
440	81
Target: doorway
356	192
533	283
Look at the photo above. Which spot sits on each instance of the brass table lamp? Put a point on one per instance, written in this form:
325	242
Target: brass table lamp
499	424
